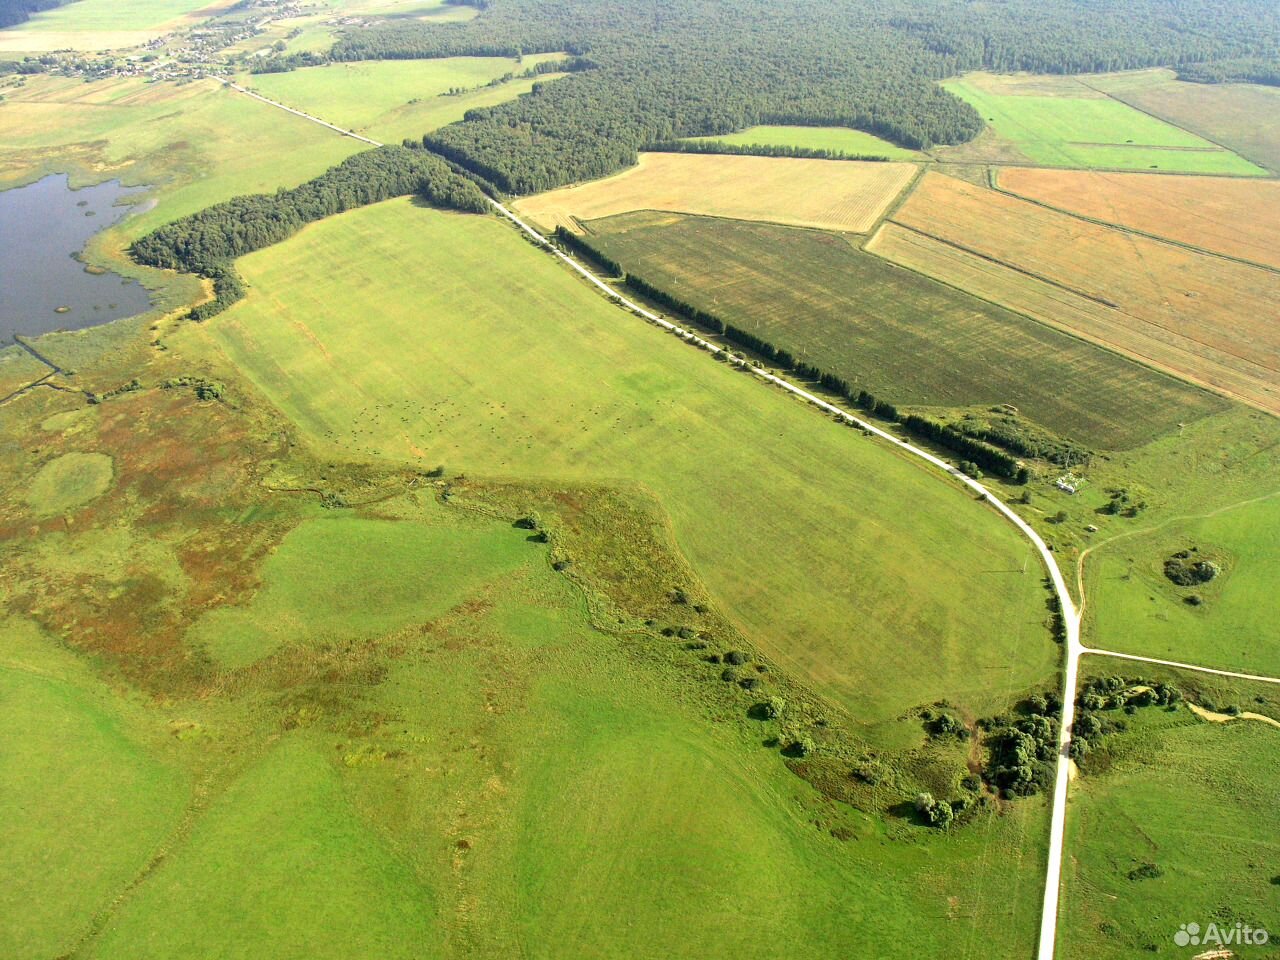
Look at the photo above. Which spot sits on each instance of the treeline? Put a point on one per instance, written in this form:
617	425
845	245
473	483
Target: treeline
758	150
571	241
1254	70
14	12
671	69
1012	436
974	451
207	242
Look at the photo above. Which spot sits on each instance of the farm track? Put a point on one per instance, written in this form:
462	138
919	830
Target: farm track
1071	616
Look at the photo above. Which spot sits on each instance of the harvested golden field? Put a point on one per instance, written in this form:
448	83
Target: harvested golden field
1208	320
1236	217
827	194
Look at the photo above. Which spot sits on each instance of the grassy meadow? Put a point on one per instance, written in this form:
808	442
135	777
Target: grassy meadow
1243	117
389	100
413	766
835	139
896	333
1066	122
1135	608
1173	826
582	392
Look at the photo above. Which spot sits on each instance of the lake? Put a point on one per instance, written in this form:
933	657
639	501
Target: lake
42	286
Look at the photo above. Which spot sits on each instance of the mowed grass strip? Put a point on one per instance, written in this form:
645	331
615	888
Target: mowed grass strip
835	139
1244	117
1200	317
831	194
1176	829
896	333
857	568
393	99
1135	608
1064	122
1238	218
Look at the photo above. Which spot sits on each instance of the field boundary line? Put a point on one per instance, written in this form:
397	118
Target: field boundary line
1121	228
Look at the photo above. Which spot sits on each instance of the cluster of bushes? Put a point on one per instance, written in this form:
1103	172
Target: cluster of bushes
1023	748
202	388
1113	693
1187	570
207	242
1008	434
941	725
759	150
1124	503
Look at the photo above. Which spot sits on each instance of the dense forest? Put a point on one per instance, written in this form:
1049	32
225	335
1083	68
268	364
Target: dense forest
667	69
14	12
1248	70
207	242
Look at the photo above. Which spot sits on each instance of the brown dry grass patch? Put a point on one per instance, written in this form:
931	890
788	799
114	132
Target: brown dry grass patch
1208	320
826	194
1236	217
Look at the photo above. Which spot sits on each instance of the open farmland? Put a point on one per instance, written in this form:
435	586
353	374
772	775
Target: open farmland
1237	218
895	333
579	392
389	100
106	24
1243	117
830	194
1203	318
835	139
1066	122
1171	824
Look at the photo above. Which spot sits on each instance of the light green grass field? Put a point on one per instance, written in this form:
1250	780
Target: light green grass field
851	565
85	802
1073	126
836	139
1196	799
1136	609
69	481
281	857
389	100
377	576
112	15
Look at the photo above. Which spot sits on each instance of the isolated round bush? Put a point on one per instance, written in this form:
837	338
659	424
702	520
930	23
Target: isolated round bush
68	482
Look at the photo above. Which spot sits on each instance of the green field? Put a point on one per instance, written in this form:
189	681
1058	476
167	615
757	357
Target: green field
69	481
380	577
1244	117
89	16
86	802
1136	609
389	100
1068	124
638	407
835	139
895	333
1195	800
